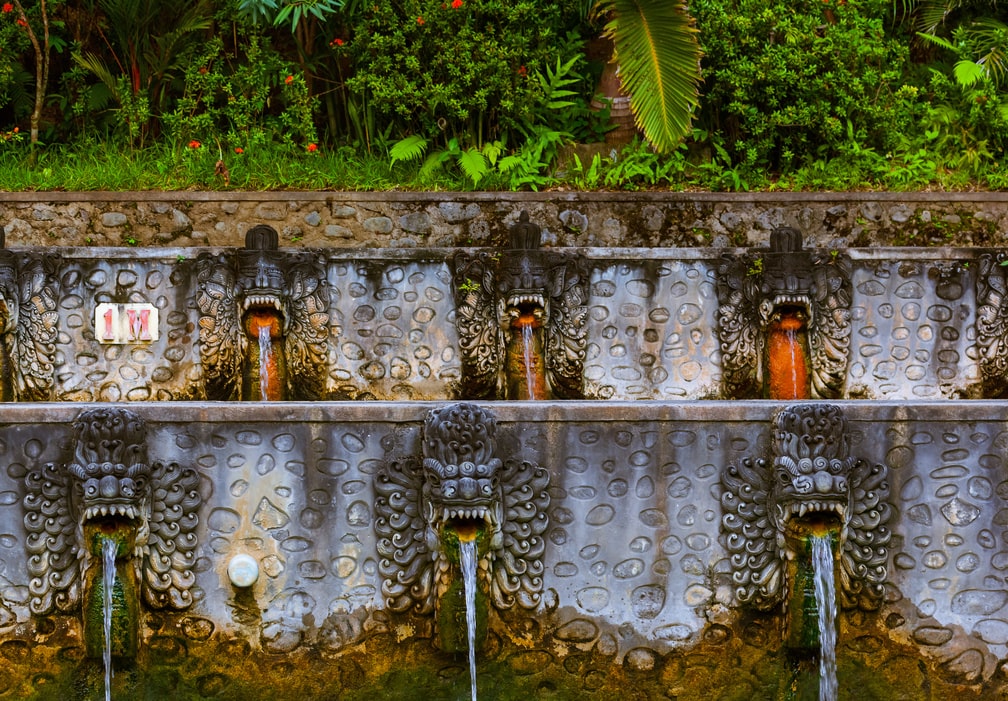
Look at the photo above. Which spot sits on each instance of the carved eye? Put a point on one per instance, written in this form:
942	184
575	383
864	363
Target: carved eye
449	490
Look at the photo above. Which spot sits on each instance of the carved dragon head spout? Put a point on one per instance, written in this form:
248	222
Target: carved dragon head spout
109	488
263	290
462	486
8	286
110	473
784	288
811	466
261	280
460	470
809	478
521	289
788	284
523	278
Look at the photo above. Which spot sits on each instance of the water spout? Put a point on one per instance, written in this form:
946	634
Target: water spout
265	369
112	598
462	608
526	366
109	550
467	559
811	608
825	589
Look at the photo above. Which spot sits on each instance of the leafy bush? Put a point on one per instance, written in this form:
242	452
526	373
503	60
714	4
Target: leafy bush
455	68
787	83
14	79
244	101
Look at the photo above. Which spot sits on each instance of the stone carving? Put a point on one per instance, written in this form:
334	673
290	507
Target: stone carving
992	323
494	291
292	285
809	471
460	477
109	477
28	323
752	288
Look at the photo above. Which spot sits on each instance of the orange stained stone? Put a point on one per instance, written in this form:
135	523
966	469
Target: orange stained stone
787	359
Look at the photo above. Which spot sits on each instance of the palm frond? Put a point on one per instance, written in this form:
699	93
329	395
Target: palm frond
659	61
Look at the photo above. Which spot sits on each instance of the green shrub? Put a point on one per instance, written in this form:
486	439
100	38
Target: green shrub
787	83
15	80
242	101
455	68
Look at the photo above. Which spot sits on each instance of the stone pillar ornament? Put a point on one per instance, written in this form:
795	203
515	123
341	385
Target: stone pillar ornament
109	489
459	482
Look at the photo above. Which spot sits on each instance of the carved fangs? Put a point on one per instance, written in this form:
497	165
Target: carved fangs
809	476
802	509
127	511
260	301
770	307
518	298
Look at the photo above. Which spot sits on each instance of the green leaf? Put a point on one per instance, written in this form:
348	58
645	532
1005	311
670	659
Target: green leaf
659	65
473	164
967	73
408	149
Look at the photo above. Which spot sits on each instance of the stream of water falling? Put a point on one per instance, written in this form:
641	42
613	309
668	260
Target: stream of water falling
265	351
825	589
467	559
527	340
109	550
796	357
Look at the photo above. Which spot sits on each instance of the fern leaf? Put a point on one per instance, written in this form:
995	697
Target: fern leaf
474	164
408	149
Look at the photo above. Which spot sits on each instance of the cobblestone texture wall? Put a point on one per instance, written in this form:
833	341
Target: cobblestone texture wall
410	220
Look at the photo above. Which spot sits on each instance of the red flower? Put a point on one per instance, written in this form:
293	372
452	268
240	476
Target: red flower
312	148
456	4
194	144
289	79
522	71
420	21
239	149
7	7
336	42
22	22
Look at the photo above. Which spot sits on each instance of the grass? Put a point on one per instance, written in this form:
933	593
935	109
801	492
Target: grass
95	165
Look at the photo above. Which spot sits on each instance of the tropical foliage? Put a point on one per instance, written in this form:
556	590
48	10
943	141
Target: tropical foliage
728	94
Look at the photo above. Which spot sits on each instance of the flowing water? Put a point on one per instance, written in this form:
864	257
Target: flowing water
527	351
467	559
825	588
109	550
265	353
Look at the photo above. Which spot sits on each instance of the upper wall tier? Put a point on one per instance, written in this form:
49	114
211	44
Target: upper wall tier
113	324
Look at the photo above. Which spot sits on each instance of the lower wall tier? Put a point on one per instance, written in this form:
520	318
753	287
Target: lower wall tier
636	543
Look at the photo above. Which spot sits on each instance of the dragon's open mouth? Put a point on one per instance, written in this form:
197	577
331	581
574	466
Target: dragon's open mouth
525	303
814	509
262	300
786	305
95	512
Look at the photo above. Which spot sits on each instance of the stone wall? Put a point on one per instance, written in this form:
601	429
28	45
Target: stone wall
425	219
633	549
